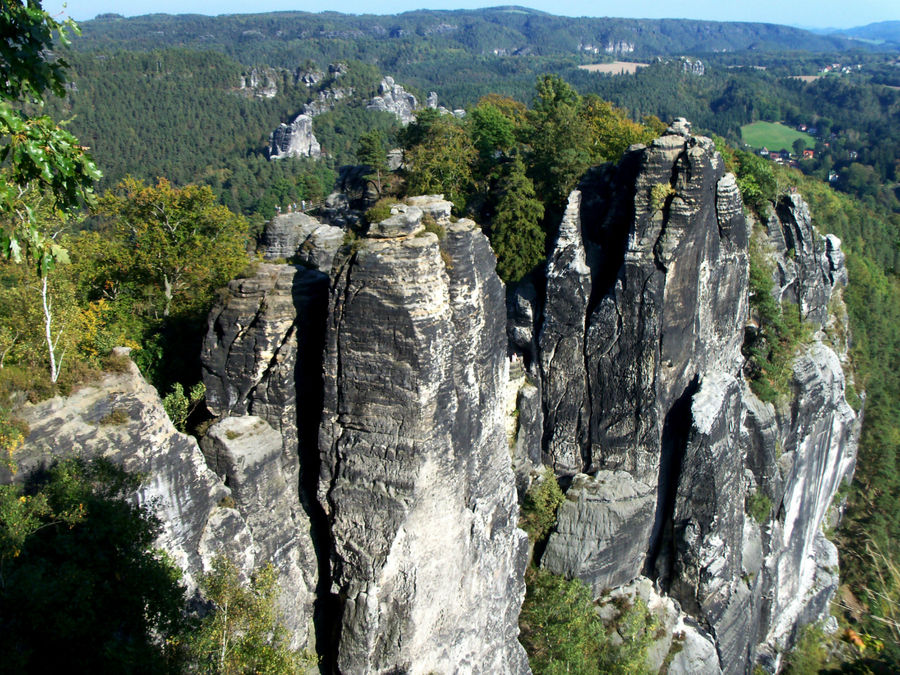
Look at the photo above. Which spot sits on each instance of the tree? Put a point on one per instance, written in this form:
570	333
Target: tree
516	234
81	582
611	132
442	161
798	146
179	241
557	136
371	152
242	633
40	160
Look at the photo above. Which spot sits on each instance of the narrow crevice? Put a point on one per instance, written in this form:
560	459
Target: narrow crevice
675	434
311	305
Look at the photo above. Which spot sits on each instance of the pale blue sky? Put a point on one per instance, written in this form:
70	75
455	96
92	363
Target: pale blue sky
809	13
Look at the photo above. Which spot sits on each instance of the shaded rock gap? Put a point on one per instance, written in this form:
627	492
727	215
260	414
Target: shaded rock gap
310	404
675	433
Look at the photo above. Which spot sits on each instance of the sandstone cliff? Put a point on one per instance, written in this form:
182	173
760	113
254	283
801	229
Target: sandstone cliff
373	430
639	362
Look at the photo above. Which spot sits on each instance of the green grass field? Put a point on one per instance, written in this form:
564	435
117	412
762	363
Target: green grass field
773	136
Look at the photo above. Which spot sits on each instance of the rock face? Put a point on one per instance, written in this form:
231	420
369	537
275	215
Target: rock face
201	516
303	238
602	530
393	98
415	479
644	401
295	139
260	82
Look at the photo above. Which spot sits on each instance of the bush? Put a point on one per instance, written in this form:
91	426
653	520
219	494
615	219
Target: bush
179	407
242	633
659	194
562	632
759	506
380	210
83	586
542	500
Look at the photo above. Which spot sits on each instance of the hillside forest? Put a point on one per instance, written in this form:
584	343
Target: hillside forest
136	178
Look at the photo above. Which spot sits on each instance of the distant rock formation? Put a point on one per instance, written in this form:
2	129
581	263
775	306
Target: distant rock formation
295	140
260	82
393	98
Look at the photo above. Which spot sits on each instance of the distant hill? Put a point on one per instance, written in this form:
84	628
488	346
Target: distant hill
498	30
885	33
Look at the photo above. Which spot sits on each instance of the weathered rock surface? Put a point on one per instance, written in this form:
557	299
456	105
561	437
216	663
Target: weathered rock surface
260	82
393	98
263	351
602	530
562	345
245	453
302	237
640	373
295	139
808	265
198	517
416	480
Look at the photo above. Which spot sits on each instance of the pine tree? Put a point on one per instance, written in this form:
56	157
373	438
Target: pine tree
516	234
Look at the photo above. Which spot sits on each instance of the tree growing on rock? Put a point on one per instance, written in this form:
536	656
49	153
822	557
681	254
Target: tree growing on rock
180	241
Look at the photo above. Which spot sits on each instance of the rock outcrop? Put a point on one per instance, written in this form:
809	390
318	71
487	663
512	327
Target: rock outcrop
295	139
302	238
202	515
260	82
647	417
415	479
393	98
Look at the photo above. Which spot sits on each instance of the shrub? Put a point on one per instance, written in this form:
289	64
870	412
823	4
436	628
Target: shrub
542	500
242	633
562	632
759	506
179	407
380	210
659	194
115	417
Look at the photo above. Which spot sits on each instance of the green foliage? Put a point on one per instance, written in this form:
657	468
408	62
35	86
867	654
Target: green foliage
434	228
542	500
441	161
556	135
810	654
38	159
179	407
563	633
371	152
756	181
179	241
380	210
759	506
13	431
771	350
516	234
80	582
659	195
115	417
242	633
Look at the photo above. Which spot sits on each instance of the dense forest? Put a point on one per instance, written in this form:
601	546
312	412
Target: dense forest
172	129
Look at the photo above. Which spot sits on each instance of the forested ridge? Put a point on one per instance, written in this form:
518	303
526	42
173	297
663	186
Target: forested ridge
177	122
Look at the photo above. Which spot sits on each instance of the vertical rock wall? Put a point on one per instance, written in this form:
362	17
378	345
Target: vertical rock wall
416	479
652	261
